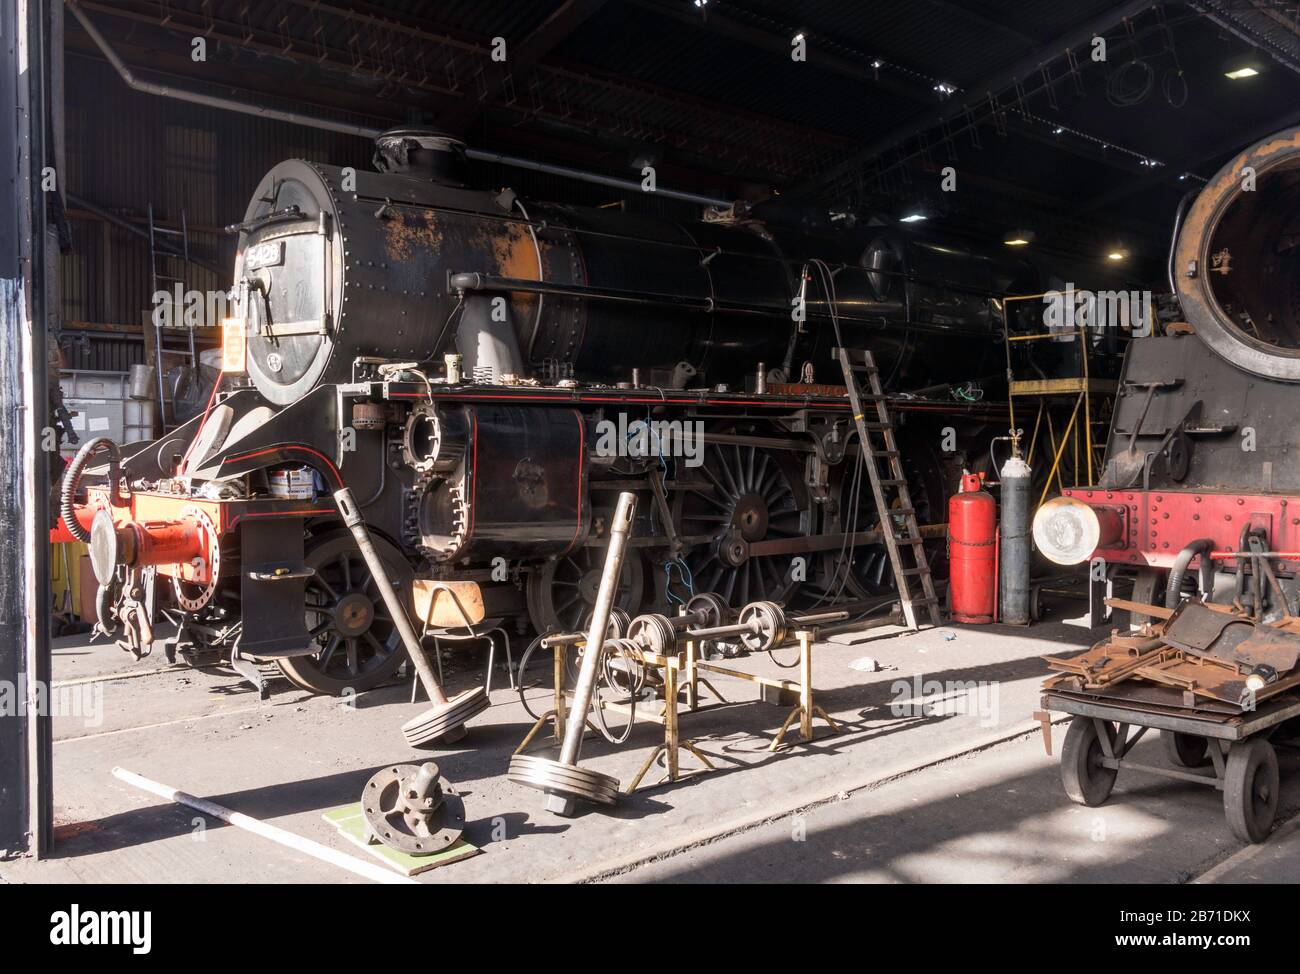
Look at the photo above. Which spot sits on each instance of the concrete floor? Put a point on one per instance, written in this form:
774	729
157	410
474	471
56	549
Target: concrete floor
961	792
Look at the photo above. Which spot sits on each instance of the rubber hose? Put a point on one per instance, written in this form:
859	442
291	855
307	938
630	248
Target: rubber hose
72	479
1174	587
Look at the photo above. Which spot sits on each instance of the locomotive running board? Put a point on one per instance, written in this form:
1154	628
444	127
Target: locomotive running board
885	489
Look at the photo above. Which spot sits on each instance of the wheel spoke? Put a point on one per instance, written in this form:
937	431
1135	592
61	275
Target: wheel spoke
352	656
319	579
328	654
727	492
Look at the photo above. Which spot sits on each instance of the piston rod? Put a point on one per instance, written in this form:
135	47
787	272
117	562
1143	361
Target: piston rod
620	528
357	525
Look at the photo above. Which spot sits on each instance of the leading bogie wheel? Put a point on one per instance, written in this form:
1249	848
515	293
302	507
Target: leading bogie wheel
1148	589
356	644
1086	780
1250	789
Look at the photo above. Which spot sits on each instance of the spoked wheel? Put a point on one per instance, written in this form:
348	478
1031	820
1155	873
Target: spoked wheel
358	646
864	571
562	592
757	495
1250	789
1086	780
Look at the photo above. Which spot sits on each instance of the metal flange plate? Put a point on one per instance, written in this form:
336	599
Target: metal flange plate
399	818
569	780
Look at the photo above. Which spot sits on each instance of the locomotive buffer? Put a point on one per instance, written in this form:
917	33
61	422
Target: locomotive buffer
877	441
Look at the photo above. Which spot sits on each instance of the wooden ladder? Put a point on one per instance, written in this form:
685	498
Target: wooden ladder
906	550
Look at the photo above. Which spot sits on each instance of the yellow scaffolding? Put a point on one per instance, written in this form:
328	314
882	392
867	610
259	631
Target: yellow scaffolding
1083	388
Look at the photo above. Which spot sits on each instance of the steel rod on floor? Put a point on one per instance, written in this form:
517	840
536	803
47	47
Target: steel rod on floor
360	867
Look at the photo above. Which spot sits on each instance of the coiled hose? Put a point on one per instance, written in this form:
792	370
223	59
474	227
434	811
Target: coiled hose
72	479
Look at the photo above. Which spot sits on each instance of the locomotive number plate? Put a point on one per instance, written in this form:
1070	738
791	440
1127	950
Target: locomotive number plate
266	254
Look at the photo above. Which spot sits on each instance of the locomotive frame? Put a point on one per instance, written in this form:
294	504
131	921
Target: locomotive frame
353	289
266	554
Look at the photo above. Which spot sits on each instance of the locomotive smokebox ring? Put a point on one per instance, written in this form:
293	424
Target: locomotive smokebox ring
767	624
436	722
565	780
413	809
1224	267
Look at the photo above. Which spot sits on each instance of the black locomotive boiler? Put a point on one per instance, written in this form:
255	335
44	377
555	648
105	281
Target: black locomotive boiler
486	372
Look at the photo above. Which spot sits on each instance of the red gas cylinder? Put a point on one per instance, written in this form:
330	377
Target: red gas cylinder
972	551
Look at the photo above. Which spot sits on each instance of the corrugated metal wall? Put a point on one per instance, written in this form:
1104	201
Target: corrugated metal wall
127	151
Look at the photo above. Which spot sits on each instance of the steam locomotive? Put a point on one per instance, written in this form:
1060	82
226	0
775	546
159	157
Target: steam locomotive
1202	461
486	372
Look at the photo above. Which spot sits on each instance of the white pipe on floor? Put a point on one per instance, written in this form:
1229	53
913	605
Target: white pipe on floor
368	870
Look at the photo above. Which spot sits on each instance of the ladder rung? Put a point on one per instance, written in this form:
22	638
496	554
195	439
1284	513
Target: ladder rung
881	453
878	426
168	230
911	541
919	570
893	482
924	600
901	511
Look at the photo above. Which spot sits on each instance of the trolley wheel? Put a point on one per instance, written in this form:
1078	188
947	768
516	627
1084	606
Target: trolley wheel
1250	789
1186	750
1086	780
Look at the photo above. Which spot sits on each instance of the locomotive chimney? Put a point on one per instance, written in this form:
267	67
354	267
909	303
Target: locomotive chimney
422	152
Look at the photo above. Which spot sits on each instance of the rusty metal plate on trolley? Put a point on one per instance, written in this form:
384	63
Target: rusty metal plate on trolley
1194	628
1201	631
1271	646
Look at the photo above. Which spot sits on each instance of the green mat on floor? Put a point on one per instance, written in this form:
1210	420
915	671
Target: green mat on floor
352	825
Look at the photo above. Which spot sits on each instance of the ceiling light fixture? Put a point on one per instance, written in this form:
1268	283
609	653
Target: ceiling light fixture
1236	74
912	218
